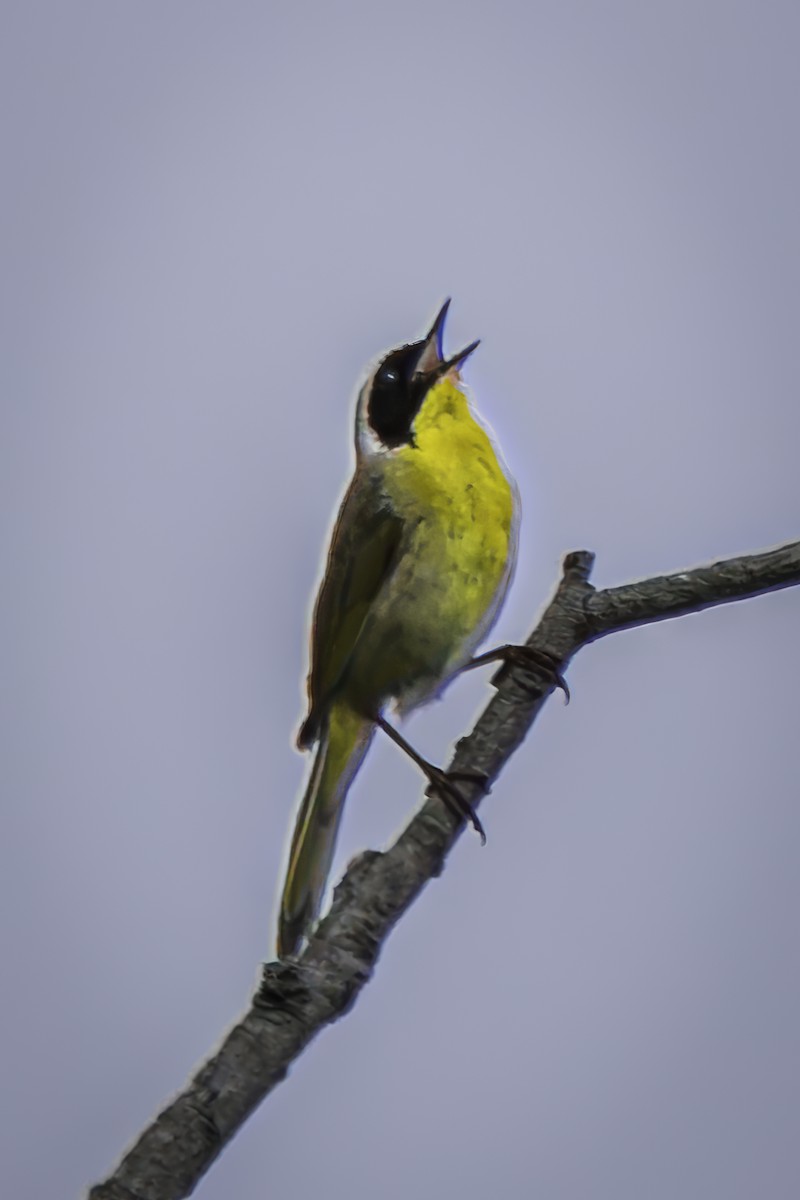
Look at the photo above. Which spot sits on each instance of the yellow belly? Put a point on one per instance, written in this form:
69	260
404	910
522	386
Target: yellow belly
460	512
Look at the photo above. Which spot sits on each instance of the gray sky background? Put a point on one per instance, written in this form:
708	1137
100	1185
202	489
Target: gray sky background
214	216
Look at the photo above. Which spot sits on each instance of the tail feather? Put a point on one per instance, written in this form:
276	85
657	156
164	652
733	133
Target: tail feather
343	743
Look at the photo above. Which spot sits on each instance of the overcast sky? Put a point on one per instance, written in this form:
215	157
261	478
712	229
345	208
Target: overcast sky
214	217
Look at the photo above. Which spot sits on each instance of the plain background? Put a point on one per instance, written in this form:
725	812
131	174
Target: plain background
214	217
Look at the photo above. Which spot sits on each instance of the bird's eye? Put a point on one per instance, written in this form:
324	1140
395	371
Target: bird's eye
388	376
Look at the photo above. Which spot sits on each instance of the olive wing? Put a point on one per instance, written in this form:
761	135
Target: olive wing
362	555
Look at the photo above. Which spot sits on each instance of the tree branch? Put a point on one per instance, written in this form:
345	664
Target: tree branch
297	998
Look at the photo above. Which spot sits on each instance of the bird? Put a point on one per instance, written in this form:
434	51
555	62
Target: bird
421	556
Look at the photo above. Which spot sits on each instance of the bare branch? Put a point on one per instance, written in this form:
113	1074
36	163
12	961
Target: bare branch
666	596
298	998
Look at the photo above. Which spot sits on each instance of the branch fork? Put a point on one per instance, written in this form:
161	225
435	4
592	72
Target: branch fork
298	997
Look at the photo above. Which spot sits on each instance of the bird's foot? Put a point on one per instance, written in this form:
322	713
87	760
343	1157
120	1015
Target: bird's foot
531	659
441	783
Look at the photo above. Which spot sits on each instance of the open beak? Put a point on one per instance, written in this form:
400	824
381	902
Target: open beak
431	361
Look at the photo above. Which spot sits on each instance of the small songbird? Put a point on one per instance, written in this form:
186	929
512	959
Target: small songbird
420	559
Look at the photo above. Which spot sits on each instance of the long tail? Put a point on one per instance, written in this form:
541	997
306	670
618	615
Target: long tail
342	746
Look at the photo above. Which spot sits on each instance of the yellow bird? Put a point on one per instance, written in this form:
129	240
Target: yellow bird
420	558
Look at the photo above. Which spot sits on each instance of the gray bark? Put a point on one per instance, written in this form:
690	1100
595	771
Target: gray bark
297	998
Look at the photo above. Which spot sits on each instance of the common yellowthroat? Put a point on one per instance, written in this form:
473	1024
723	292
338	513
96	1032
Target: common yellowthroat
420	558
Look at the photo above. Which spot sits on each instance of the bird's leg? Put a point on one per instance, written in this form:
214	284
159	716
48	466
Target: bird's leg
440	781
525	656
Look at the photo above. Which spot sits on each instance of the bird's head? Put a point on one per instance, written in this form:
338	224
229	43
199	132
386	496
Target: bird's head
395	390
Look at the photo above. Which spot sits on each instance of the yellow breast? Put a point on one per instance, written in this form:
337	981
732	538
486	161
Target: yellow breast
451	479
